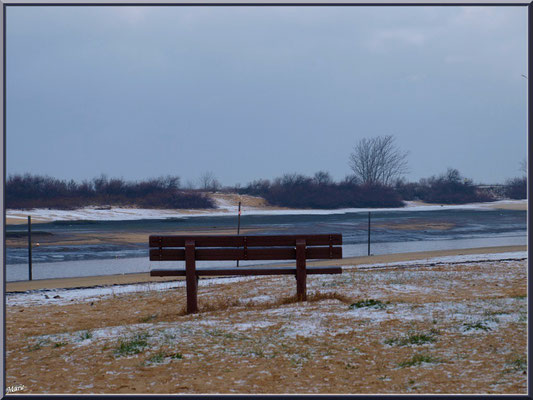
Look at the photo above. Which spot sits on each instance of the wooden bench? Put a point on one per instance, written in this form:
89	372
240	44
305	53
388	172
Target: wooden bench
256	247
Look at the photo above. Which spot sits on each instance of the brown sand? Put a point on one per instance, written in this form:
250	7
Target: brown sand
416	225
511	206
521	206
445	328
23	221
232	198
90	281
246	201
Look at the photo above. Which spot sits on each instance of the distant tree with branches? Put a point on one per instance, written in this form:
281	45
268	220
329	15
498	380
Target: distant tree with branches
209	182
378	161
322	178
523	166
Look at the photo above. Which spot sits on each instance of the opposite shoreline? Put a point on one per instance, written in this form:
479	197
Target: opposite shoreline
123	279
251	205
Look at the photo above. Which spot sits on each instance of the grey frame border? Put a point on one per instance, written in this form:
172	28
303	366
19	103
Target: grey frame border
247	3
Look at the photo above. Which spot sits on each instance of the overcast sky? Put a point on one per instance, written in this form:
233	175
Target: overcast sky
255	92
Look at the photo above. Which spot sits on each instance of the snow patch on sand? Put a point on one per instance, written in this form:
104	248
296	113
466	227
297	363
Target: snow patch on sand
517	255
84	295
69	296
224	207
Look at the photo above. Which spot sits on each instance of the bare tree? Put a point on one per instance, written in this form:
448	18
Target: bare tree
208	181
323	178
190	184
523	166
378	161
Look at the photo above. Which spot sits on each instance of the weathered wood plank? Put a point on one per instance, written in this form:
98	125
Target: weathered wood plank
221	254
247	271
238	241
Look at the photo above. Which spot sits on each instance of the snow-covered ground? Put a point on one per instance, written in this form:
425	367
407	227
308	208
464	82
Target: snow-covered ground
224	207
68	296
516	255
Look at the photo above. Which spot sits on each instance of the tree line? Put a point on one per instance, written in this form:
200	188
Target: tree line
36	191
377	166
294	190
319	191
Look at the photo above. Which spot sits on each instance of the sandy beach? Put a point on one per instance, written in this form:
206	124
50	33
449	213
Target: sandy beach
225	202
458	325
519	205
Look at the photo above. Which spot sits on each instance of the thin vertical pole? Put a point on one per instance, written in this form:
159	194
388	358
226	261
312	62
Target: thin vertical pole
239	220
239	225
29	248
369	233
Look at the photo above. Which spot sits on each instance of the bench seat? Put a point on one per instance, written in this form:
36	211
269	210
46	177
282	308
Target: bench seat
246	271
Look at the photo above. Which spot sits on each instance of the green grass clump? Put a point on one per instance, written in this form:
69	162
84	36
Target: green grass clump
370	303
413	339
476	326
148	318
519	364
157	358
176	356
418	359
86	335
60	344
220	333
134	346
160	357
37	346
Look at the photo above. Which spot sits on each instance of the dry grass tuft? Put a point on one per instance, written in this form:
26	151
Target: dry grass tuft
316	296
219	304
227	302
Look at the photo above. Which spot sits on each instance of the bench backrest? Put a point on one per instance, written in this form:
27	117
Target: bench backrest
249	247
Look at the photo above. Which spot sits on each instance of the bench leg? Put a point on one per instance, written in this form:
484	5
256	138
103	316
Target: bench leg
191	278
301	273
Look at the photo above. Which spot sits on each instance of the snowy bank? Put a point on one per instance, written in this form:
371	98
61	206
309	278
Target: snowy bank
224	208
68	296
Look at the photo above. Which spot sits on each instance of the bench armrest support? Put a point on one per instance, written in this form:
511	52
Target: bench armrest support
301	274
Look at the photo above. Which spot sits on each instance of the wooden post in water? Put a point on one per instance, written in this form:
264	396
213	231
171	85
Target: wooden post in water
29	248
369	233
239	225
